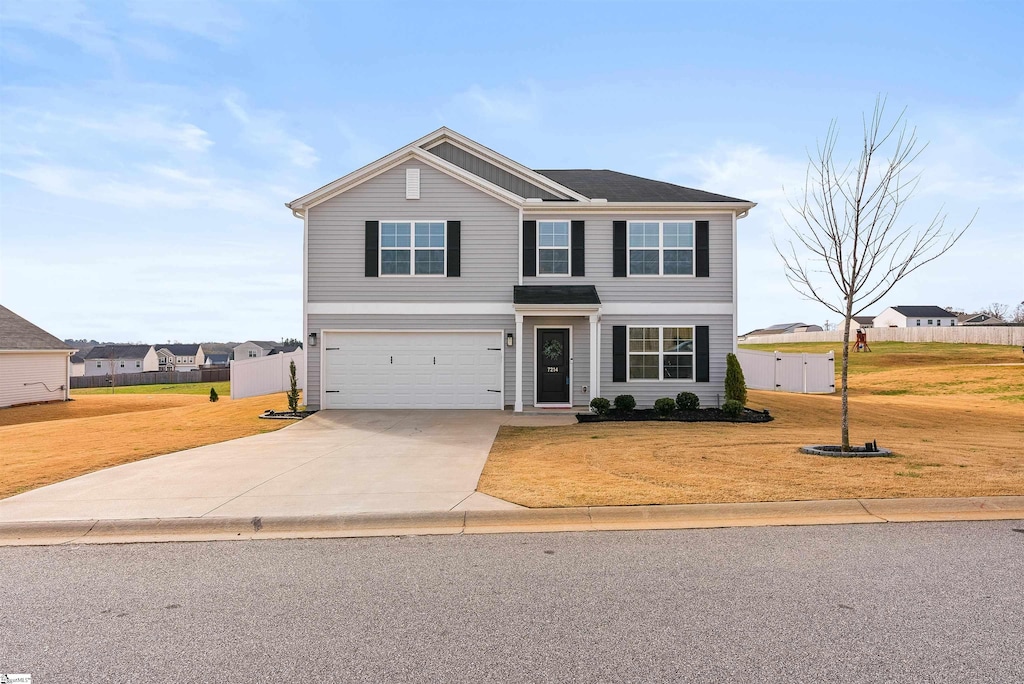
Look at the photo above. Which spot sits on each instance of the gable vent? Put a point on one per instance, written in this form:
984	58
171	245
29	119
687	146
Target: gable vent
412	184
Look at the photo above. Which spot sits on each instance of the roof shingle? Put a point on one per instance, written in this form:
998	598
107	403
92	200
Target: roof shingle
622	187
17	333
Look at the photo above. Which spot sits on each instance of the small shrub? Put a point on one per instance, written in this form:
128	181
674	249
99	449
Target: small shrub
687	401
732	408
600	405
293	393
625	402
735	385
665	406
213	394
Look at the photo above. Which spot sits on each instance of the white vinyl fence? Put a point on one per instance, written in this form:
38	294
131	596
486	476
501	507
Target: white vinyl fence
964	334
802	373
266	374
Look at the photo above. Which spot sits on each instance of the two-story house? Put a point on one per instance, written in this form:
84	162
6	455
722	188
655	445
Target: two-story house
180	357
118	359
445	275
914	317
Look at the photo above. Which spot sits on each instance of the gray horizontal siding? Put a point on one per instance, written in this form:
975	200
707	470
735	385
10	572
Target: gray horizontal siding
490	241
580	355
319	322
710	393
490	172
598	229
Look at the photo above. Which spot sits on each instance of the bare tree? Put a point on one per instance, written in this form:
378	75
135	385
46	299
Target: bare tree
1018	314
996	310
852	245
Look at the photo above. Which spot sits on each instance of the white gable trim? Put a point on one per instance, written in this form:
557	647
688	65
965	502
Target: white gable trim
447	135
389	162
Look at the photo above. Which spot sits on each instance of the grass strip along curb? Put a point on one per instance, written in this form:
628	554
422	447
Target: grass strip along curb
592	518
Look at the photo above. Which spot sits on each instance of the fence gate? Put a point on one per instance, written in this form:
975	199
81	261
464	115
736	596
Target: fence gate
778	372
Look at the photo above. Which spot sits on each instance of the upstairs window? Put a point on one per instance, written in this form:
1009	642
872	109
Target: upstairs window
661	248
552	248
412	248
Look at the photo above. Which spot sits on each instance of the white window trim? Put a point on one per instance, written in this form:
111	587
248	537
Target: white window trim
661	251
412	249
662	353
567	248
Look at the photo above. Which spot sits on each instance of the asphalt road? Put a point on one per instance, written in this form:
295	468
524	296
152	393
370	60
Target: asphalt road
933	602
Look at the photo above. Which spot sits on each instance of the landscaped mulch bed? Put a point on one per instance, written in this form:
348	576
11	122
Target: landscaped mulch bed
286	415
705	415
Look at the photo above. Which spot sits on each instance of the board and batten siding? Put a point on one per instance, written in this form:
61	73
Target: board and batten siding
32	377
580	355
720	340
488	171
321	322
490	241
598	230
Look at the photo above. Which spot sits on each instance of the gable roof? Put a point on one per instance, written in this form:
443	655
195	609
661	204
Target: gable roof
260	343
515	184
863	319
181	349
217	357
623	187
923	311
18	333
119	351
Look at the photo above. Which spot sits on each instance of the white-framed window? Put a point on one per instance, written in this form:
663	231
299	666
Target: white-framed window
660	352
919	321
553	248
252	353
929	321
660	248
138	365
122	364
412	248
99	364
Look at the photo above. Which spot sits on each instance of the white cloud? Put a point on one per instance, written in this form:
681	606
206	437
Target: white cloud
213	21
67	19
265	130
500	105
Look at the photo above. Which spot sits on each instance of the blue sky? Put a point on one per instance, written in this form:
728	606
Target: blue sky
147	148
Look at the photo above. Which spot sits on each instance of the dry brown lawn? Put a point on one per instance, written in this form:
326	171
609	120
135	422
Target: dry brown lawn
956	431
48	443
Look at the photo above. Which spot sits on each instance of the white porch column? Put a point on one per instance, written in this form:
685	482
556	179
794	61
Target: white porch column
519	363
595	356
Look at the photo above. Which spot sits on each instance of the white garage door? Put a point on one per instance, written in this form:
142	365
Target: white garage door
413	370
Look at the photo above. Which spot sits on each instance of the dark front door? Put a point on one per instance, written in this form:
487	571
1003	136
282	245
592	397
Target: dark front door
553	366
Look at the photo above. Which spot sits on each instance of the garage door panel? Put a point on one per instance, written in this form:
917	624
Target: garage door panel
413	370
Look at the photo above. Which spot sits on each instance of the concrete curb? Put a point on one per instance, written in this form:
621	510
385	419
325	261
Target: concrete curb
593	518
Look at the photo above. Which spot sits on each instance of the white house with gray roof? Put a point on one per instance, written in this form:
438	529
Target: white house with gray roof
118	359
35	366
915	317
446	275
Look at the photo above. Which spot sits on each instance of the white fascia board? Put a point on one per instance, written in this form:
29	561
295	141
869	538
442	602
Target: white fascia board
550	309
499	160
667	308
636	208
410	308
392	160
69	352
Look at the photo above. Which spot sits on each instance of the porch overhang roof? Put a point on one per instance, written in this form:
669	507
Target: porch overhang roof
543	297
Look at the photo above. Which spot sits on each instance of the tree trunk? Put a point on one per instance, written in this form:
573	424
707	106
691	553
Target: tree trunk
845	410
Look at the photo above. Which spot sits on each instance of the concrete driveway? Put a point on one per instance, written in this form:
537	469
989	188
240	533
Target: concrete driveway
335	462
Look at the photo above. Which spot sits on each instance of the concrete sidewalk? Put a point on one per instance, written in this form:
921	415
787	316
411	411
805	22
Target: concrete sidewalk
837	512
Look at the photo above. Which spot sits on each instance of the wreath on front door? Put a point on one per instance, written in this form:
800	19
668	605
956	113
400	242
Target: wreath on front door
552	350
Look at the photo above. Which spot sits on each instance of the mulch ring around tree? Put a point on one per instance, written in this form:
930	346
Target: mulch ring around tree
870	450
286	415
705	415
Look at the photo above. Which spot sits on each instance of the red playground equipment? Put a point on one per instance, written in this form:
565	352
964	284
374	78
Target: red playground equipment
861	343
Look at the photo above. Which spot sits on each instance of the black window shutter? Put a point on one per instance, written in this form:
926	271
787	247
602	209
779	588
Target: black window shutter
372	247
618	353
579	251
529	248
619	249
703	251
703	354
454	249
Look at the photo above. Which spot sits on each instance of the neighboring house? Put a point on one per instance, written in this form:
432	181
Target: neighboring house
863	322
218	348
978	319
254	349
77	365
180	357
914	317
118	359
445	275
214	360
35	366
782	328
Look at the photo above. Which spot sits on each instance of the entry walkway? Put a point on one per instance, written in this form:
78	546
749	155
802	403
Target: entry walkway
333	463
